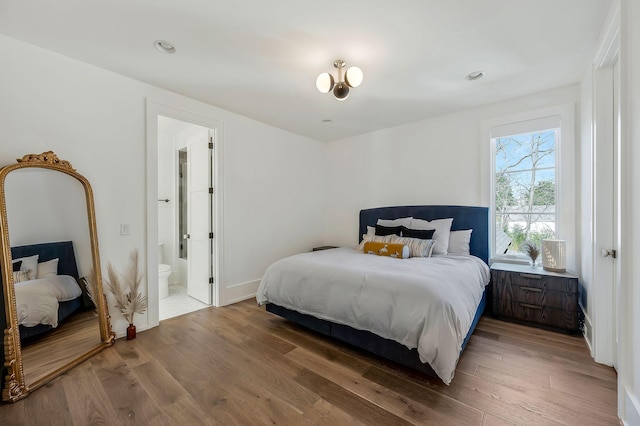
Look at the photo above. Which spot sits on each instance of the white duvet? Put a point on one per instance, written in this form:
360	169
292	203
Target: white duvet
423	303
37	300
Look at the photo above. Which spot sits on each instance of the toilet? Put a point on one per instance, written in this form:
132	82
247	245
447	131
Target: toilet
164	271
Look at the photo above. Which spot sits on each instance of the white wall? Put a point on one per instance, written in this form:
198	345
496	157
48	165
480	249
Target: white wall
629	379
434	161
96	120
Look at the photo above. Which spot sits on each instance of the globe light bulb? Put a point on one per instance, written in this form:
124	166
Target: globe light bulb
354	77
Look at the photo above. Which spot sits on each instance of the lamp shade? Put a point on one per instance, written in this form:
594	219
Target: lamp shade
554	255
325	82
341	91
354	77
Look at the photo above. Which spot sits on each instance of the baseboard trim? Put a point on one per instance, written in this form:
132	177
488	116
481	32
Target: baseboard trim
587	330
631	409
239	292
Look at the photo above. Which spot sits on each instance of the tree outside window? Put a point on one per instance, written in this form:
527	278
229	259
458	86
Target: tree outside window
525	187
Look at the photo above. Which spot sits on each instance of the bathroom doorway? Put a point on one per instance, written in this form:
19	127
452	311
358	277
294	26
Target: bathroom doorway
185	217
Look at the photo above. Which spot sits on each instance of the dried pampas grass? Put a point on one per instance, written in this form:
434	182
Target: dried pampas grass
126	288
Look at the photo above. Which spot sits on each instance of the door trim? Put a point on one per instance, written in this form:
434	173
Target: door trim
153	110
603	332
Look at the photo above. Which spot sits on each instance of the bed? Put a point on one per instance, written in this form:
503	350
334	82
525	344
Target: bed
41	304
361	281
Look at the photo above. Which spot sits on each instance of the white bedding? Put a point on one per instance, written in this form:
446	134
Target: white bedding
37	300
424	303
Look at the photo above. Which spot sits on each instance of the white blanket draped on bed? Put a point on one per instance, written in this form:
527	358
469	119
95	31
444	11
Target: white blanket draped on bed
37	300
424	303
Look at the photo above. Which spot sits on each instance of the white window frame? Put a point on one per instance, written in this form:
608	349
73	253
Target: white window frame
566	220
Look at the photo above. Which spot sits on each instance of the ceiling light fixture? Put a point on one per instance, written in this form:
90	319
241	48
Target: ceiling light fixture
164	46
351	78
476	75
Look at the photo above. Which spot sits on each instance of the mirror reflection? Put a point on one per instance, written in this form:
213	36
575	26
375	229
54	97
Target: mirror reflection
54	314
56	322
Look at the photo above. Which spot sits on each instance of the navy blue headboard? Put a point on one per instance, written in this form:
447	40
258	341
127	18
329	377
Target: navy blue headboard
62	250
464	217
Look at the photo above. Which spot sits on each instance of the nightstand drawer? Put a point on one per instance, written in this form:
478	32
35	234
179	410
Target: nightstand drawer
535	280
536	313
536	296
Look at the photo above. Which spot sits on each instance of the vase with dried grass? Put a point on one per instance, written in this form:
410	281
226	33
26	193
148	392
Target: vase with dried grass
126	291
532	250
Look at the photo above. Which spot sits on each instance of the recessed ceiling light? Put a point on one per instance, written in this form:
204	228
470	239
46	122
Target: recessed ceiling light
164	46
476	75
327	120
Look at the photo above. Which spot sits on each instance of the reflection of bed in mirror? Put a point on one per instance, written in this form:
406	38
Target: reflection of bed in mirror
49	299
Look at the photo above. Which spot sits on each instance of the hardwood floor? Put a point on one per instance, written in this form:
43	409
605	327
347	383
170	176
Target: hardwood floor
77	335
242	365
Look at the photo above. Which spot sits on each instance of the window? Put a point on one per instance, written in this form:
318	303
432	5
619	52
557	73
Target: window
530	184
524	182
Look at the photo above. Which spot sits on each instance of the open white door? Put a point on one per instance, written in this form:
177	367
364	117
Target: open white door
200	213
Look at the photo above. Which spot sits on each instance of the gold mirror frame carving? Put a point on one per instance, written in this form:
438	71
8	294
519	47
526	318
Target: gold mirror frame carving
14	386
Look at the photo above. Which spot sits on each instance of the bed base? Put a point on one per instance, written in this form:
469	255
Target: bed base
362	339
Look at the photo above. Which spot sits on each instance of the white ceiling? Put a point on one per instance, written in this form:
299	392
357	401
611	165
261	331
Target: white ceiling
260	58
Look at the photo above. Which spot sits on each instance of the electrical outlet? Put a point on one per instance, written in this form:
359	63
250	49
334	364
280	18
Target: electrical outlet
124	229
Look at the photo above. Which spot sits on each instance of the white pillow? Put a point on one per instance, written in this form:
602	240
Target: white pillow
48	268
29	264
417	247
374	238
371	230
459	241
404	221
441	236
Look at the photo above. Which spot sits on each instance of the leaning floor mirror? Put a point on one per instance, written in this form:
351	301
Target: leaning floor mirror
54	314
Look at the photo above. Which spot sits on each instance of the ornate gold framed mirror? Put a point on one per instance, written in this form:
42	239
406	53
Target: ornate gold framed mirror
54	314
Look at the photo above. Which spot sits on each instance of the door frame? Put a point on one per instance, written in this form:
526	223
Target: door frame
605	321
153	110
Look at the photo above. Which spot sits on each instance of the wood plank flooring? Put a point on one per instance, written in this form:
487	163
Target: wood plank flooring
75	336
242	365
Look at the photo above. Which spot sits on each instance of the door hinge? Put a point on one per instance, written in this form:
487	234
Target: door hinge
211	190
211	280
211	235
210	145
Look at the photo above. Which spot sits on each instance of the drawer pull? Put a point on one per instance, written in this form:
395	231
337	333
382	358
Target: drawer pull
528	305
531	276
535	290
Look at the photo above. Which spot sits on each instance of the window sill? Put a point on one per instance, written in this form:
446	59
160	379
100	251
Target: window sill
519	260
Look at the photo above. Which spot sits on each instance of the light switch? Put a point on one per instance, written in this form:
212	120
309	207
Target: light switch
124	229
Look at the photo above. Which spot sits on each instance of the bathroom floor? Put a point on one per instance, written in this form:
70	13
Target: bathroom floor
178	303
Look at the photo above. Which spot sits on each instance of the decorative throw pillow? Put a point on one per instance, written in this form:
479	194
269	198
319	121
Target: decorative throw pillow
459	241
417	246
20	276
441	236
423	234
386	249
388	230
48	268
376	238
30	264
17	265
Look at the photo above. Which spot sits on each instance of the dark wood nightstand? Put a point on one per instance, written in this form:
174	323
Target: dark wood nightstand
323	248
536	297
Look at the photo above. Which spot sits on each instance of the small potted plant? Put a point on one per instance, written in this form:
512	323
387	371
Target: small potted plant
125	290
532	250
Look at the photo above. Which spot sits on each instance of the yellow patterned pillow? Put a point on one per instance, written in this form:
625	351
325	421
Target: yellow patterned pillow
386	249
